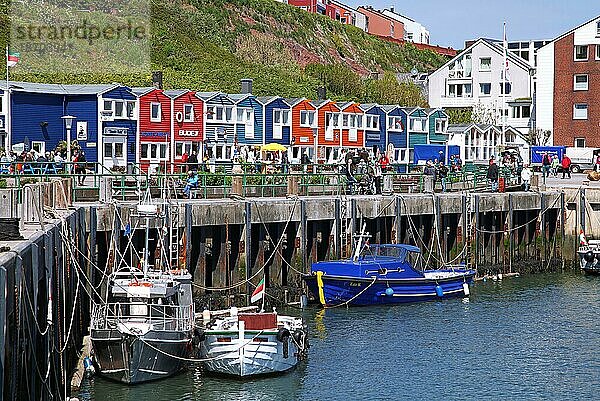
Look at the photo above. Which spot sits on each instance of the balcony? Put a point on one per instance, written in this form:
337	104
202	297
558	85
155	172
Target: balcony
447	101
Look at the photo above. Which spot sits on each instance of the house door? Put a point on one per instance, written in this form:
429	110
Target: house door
114	152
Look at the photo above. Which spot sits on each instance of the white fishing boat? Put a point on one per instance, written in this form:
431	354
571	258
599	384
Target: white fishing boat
254	343
143	329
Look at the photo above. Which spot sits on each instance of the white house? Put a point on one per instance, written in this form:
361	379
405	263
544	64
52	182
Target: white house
413	31
473	79
479	142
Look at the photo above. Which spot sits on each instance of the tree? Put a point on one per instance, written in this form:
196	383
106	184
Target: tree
537	137
459	115
387	90
484	114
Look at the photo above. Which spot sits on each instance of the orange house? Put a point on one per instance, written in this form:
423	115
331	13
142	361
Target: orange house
304	125
382	25
353	132
329	121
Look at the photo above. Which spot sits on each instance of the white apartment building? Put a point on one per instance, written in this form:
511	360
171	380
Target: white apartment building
473	79
413	31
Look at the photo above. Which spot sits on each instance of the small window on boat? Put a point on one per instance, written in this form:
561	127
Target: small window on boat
138	310
224	339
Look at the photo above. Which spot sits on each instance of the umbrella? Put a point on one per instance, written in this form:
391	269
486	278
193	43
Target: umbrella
273	147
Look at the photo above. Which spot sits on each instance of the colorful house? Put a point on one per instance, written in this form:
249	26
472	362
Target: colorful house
374	121
219	125
36	112
188	123
304	128
249	121
353	133
416	123
154	139
277	120
382	25
339	12
329	129
437	125
117	127
306	5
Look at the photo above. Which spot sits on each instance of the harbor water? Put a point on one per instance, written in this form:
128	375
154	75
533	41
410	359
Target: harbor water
533	337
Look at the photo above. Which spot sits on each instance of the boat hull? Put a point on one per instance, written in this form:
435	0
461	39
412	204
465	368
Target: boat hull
242	356
131	359
589	259
353	291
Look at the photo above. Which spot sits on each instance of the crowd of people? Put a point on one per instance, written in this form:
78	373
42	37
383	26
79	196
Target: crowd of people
32	162
437	169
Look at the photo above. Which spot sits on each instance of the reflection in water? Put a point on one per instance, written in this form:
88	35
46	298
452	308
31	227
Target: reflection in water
520	338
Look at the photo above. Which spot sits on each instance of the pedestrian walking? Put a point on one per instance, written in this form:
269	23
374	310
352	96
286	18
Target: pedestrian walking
566	166
546	163
492	175
554	165
526	175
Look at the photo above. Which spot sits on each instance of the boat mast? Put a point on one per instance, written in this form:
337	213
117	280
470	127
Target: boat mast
146	241
359	242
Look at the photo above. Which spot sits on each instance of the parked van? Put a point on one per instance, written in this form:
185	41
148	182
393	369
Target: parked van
582	158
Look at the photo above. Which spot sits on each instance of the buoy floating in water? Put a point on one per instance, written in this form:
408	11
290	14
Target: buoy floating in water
439	291
88	366
466	289
389	291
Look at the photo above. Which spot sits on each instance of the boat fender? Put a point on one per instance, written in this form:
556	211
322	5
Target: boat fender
466	289
299	337
198	338
88	366
283	335
439	291
589	256
389	291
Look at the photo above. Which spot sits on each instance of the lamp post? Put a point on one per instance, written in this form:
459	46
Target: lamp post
315	134
68	124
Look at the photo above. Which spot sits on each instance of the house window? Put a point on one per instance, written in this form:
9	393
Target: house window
107	106
506	88
581	52
418	124
281	117
597	52
440	125
485	64
228	114
155	114
131	109
580	142
525	55
119	109
372	122
144	151
485	89
394	123
307	118
525	111
580	82
580	111
598	28
461	68
157	151
188	113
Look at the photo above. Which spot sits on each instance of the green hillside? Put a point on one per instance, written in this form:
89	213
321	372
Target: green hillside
212	44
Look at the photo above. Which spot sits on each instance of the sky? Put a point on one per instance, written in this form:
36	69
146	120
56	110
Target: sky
451	22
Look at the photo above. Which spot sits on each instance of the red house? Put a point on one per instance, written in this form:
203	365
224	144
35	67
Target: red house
154	131
304	126
329	137
306	5
188	122
339	12
352	125
382	25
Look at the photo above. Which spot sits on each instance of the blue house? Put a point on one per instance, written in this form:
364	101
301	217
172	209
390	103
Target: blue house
249	122
437	125
3	119
416	122
219	125
117	126
36	112
374	123
277	120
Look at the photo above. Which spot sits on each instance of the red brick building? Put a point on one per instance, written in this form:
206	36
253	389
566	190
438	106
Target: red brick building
568	87
381	25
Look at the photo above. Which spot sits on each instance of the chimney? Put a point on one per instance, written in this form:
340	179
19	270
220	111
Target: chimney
157	79
246	86
392	8
321	93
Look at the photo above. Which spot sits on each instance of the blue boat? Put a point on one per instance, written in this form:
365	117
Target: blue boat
385	274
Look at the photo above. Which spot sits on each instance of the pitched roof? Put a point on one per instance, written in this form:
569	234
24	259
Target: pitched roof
143	90
572	30
61	89
175	93
208	95
367	106
389	107
264	100
238	97
294	101
320	103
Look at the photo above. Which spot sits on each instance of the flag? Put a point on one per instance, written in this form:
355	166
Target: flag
259	292
13	58
127	230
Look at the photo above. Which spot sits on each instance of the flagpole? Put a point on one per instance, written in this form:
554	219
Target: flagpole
7	120
505	50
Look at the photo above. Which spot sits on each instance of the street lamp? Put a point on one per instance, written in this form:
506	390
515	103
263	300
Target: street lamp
315	134
68	124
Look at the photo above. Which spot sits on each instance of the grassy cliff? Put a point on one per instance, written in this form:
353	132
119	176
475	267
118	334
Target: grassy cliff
212	44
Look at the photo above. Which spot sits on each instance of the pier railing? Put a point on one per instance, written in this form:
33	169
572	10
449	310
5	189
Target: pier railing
222	181
158	317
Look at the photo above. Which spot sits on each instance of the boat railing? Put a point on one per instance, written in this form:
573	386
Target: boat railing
159	317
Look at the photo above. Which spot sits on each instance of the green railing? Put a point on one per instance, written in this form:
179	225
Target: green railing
248	180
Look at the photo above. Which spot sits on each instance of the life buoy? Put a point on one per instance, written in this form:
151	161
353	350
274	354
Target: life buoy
179	116
140	284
